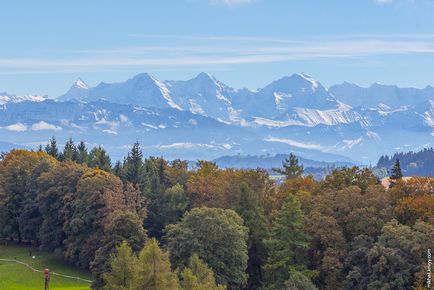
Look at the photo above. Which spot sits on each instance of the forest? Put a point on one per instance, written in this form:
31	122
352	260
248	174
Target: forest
419	163
150	223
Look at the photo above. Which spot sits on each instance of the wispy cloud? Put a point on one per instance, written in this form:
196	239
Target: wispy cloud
230	3
295	143
194	51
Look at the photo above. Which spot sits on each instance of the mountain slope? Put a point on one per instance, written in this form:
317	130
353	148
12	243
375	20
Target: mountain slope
203	117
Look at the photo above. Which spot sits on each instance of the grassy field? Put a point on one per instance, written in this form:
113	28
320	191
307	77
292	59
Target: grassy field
15	276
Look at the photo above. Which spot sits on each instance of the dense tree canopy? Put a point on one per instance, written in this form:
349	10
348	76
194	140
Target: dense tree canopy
217	227
218	237
19	171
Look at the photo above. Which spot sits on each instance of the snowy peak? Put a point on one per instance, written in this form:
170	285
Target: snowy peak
79	83
205	82
142	77
142	89
205	95
297	83
78	91
205	77
281	97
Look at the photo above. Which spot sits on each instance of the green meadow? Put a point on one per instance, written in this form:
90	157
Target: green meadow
14	276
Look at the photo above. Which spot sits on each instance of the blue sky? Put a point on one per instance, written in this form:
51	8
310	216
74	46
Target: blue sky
46	45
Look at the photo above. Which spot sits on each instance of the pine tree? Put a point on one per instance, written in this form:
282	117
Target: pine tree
133	169
82	153
70	151
118	170
253	216
286	238
155	272
124	273
396	171
291	169
52	149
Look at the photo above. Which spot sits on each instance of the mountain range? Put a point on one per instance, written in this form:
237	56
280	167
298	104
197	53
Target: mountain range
204	118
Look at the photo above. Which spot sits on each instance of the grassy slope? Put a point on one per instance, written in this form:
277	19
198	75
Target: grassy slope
15	276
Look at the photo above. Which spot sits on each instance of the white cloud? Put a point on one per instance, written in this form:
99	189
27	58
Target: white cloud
17	127
194	146
220	51
110	132
186	145
295	143
42	125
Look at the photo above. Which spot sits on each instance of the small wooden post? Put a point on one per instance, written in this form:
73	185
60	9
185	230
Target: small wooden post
47	279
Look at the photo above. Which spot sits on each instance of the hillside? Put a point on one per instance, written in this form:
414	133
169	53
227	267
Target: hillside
419	163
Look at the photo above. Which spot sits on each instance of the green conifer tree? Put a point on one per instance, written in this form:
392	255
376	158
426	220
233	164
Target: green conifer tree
291	169
286	238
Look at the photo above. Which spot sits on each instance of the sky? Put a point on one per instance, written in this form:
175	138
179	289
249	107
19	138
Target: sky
47	44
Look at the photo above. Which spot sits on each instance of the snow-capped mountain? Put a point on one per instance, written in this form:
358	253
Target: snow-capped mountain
204	118
143	90
78	91
381	95
6	98
278	99
294	100
204	95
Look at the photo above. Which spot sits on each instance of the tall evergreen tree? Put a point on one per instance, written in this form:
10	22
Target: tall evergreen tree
118	170
396	173
165	208
70	151
133	167
52	148
253	216
286	239
82	153
291	169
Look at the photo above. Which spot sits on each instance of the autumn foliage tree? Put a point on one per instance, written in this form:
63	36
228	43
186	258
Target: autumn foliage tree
20	217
